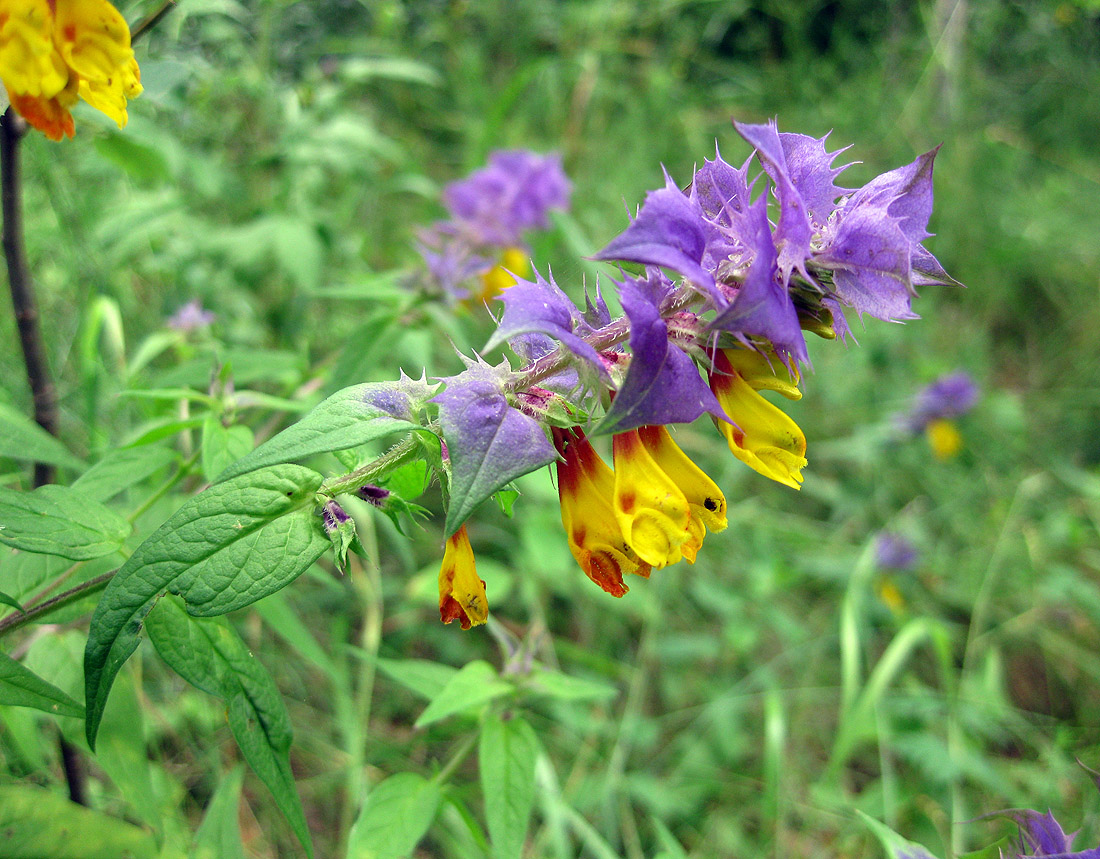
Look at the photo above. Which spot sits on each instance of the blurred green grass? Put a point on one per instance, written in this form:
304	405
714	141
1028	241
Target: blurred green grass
277	168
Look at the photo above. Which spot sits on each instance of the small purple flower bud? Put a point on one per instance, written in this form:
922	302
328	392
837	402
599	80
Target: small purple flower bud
333	516
374	495
191	316
895	552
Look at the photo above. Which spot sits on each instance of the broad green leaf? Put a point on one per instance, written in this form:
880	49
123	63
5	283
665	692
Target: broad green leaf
142	161
348	418
219	834
397	813
60	520
208	653
422	676
122	468
40	824
475	684
222	446
21	687
225	548
507	753
566	688
23	439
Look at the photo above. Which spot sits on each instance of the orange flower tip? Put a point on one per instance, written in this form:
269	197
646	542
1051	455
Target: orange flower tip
604	571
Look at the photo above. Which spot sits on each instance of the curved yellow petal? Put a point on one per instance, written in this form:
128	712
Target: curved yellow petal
93	38
650	508
705	499
461	591
30	64
764	372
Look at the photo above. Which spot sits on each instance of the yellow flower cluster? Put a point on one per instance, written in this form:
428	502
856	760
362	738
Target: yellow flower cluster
54	52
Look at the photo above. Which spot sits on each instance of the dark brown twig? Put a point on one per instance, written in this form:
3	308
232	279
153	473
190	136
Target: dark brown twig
12	129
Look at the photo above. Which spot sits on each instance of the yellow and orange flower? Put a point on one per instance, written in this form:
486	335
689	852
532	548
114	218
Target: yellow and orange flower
54	52
587	489
762	435
461	591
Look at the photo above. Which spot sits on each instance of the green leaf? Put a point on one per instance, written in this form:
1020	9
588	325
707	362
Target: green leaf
422	676
21	687
475	684
506	760
145	163
122	468
565	688
222	446
8	599
60	520
225	548
219	834
397	813
39	824
895	846
23	439
505	498
208	654
346	419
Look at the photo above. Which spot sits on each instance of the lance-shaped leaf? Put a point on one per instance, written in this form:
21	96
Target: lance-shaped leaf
225	548
507	753
670	232
208	654
793	232
662	383
763	307
540	307
490	442
21	687
60	520
348	418
23	439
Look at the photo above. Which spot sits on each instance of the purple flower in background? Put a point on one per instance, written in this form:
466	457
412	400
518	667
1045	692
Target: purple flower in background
191	316
895	552
514	193
949	396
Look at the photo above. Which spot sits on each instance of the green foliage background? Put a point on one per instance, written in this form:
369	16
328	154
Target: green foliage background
276	169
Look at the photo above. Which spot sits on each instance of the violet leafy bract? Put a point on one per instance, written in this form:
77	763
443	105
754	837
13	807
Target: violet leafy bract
489	442
669	232
539	306
662	384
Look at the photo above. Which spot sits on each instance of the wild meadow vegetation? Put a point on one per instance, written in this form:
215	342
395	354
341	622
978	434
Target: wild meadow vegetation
869	666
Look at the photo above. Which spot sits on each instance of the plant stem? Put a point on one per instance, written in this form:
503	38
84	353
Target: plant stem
14	621
402	452
150	21
43	392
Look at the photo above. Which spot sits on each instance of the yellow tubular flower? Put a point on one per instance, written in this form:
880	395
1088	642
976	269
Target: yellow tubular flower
587	487
461	592
54	51
704	498
498	279
652	511
763	436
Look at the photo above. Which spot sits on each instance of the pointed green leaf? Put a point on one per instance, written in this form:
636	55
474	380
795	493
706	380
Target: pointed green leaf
567	688
60	520
208	653
23	439
21	687
219	834
348	418
506	760
475	684
222	446
225	548
122	468
9	600
422	676
40	824
895	846
397	813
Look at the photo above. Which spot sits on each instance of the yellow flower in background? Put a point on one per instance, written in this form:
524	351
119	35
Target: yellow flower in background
762	435
513	263
587	490
944	438
54	52
461	591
